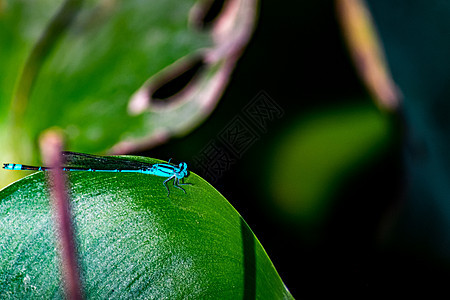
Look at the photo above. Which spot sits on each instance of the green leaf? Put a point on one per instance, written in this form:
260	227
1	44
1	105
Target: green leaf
133	241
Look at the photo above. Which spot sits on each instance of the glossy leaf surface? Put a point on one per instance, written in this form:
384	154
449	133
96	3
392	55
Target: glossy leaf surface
133	241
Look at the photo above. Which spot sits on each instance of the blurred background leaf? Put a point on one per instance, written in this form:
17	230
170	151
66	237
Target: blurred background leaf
133	241
414	35
98	70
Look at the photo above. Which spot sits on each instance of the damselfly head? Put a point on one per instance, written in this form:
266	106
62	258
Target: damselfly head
182	170
183	166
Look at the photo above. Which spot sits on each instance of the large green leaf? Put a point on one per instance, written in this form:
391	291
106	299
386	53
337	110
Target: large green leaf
133	241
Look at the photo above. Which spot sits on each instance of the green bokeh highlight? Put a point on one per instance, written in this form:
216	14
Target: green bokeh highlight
315	156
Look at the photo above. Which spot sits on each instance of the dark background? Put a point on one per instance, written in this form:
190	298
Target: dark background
299	58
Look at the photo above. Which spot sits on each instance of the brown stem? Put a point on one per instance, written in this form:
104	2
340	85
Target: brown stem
51	147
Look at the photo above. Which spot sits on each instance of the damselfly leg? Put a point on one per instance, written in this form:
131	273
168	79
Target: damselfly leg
176	183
